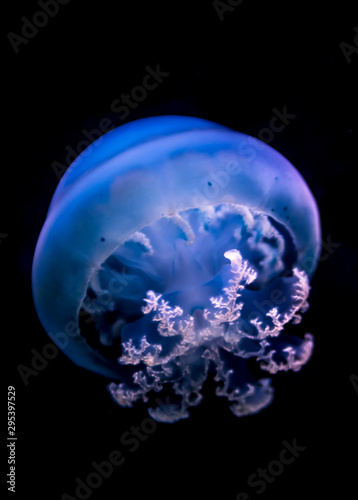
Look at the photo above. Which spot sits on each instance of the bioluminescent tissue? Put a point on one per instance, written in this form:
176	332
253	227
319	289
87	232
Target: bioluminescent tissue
175	248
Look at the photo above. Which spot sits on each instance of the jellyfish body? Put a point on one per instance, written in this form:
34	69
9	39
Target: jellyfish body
189	246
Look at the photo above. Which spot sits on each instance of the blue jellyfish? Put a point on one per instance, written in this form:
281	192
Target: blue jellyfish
175	248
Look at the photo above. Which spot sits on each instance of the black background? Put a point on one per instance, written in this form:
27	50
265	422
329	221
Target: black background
263	55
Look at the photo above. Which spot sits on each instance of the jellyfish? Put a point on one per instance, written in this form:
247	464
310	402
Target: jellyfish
176	249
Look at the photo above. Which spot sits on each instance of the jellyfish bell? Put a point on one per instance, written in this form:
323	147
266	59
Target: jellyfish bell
187	247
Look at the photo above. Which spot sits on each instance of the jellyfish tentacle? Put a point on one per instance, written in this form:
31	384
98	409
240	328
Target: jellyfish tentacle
172	239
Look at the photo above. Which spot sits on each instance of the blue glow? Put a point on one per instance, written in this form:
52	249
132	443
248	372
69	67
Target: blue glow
190	246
